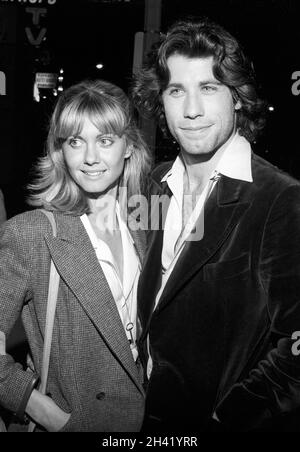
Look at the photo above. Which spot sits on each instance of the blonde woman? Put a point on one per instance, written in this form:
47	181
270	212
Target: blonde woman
94	155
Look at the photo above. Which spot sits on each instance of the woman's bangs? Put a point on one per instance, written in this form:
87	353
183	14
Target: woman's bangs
108	118
71	122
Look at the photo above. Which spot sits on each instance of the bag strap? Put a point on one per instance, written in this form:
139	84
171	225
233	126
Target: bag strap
51	306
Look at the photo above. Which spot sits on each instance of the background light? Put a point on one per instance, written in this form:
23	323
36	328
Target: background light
99	66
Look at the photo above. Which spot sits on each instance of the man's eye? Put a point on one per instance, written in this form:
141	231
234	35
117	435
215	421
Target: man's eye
209	88
175	92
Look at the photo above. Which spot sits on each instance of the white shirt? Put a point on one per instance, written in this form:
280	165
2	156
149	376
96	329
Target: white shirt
124	292
234	163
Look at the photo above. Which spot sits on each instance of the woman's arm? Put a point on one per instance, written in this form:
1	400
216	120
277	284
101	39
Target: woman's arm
15	266
17	386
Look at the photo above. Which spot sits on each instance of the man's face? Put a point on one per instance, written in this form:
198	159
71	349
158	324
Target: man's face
199	109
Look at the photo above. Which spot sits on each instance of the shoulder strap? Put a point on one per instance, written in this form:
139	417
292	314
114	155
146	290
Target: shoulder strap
50	314
51	306
51	218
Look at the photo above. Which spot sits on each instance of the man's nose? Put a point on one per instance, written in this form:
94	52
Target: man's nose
92	154
193	106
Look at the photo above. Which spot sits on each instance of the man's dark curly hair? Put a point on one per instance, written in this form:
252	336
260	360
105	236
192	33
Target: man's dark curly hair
194	39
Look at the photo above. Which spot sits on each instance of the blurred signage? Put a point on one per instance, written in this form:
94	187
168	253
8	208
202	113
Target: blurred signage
113	1
45	80
36	34
30	2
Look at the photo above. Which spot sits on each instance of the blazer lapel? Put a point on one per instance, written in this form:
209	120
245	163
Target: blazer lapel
77	263
222	212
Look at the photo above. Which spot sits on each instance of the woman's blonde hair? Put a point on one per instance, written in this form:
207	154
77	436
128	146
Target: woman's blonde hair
109	109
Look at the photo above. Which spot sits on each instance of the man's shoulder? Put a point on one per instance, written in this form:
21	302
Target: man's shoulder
266	174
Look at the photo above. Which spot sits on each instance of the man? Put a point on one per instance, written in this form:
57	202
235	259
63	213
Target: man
220	288
2	209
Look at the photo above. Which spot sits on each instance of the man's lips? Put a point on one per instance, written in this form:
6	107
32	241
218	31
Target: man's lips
195	128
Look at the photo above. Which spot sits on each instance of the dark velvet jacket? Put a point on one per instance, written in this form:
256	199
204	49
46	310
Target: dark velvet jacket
221	335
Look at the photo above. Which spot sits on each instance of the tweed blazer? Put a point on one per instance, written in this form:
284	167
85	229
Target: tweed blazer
92	374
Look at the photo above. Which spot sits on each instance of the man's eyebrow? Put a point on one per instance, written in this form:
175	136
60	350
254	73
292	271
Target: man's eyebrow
174	85
202	83
212	81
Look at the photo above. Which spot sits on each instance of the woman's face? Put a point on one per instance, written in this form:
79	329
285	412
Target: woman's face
94	159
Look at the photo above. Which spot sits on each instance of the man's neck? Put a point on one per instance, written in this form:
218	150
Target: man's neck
199	168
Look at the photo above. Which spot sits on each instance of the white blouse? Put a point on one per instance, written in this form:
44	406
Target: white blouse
124	292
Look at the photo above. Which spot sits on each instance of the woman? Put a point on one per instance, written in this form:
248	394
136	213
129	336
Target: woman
95	161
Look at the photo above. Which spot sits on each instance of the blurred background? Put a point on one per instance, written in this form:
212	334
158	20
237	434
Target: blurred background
48	45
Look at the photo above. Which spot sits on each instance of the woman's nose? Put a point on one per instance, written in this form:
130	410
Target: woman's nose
92	154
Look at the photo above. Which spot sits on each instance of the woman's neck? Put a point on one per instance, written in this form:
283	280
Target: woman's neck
103	218
103	211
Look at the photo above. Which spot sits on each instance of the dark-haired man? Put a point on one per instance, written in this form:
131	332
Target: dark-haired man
220	288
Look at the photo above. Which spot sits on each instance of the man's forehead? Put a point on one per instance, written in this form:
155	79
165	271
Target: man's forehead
182	68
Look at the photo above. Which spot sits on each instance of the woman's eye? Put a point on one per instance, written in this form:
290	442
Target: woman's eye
74	142
106	141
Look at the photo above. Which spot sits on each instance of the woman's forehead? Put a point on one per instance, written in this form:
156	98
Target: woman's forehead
105	122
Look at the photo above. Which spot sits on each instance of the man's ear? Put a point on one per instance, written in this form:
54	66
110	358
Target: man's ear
238	105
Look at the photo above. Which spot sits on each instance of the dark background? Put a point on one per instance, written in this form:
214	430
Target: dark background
84	32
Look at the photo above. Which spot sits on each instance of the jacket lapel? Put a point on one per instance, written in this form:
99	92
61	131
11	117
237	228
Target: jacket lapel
222	212
77	263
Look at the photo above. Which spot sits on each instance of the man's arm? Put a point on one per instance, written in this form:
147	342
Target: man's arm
273	386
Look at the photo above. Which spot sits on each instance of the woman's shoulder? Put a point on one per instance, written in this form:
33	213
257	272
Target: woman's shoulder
28	224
